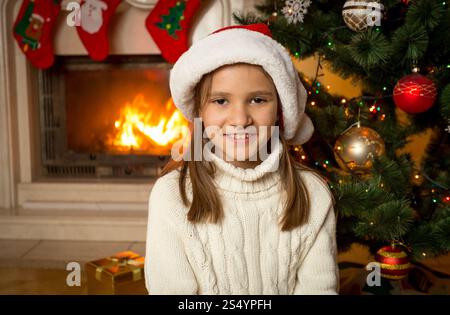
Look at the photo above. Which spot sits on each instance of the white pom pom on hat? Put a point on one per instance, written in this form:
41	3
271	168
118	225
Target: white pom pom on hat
250	44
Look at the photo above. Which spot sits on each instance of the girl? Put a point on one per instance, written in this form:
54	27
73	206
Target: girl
250	225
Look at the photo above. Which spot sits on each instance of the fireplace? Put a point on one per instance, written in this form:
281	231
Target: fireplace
54	186
112	119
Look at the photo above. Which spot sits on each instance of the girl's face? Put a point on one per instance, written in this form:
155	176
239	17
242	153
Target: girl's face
239	110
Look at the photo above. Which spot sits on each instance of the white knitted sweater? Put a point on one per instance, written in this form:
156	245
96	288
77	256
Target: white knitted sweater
247	253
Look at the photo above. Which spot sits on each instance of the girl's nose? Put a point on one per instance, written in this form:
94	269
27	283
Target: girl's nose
239	116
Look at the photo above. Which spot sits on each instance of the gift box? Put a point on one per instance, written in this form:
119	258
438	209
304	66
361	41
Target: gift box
122	273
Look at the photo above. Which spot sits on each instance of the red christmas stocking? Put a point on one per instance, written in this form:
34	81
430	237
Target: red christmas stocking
33	30
93	29
169	24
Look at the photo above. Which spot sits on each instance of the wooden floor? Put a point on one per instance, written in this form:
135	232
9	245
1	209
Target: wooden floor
38	281
39	267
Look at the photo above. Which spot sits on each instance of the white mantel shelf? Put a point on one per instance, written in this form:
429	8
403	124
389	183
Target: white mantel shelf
78	225
78	211
82	193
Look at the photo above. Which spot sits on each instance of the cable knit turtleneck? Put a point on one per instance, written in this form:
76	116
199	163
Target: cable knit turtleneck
250	182
246	253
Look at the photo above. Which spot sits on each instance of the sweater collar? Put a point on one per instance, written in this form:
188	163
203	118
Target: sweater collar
240	180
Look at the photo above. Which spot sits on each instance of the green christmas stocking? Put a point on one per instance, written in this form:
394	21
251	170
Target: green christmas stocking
169	23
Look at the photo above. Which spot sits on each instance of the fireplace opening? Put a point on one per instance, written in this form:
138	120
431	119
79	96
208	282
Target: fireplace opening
109	119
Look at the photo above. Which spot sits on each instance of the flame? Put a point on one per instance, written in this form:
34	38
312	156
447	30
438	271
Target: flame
141	128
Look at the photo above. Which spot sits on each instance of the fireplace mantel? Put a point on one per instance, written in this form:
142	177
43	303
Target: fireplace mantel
21	191
128	35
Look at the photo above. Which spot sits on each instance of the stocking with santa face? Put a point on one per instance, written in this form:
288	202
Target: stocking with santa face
93	29
33	30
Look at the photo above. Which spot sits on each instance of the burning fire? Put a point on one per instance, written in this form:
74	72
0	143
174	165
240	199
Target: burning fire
141	128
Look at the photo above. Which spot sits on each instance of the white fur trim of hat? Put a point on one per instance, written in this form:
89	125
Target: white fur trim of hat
250	44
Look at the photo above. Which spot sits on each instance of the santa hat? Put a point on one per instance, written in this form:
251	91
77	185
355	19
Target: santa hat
250	44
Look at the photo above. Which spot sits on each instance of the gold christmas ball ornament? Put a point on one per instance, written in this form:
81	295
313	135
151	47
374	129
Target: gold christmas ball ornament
359	15
356	149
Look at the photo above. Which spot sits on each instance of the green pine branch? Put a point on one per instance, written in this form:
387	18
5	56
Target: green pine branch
427	13
388	221
353	198
394	174
410	43
445	102
370	49
329	121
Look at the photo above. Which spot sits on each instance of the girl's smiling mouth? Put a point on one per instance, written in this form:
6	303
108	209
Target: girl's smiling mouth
241	138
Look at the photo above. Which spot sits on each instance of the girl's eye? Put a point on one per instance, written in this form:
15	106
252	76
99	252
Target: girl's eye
220	101
258	100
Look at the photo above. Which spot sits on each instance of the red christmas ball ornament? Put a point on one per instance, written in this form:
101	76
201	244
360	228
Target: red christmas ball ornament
414	93
394	262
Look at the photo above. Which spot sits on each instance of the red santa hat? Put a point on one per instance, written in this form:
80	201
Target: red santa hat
252	44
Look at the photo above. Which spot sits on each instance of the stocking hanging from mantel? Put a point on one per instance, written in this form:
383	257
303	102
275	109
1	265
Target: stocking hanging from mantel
95	17
169	24
33	30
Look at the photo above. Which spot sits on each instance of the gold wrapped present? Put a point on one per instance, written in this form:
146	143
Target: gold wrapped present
122	273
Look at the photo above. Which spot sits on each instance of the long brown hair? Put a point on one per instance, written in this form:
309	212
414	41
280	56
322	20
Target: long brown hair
206	206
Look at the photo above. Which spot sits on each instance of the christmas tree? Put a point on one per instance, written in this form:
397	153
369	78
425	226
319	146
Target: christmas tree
398	52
